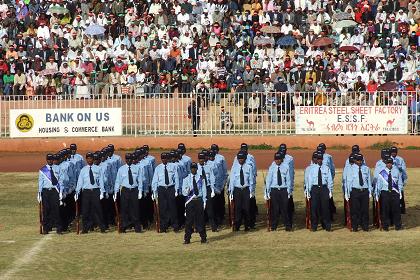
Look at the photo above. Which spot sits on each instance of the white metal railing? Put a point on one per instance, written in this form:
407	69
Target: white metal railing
232	113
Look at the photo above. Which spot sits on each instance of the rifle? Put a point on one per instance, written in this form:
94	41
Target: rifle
348	216
268	205
77	217
156	206
378	214
232	213
41	222
117	216
308	213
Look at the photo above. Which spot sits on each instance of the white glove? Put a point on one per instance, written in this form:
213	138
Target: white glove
39	197
231	197
101	196
289	195
370	195
115	197
307	195
251	194
176	193
330	194
140	194
60	196
346	197
204	206
266	197
154	196
76	197
106	195
212	194
377	198
400	195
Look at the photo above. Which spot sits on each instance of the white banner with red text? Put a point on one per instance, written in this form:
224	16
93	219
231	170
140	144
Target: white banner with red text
351	119
65	122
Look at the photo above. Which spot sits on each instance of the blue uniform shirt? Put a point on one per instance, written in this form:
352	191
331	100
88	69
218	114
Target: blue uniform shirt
44	182
288	159
106	176
84	179
159	177
220	160
122	179
400	164
249	160
208	170
271	181
328	161
152	161
382	182
218	175
78	162
186	161
312	177
352	180
235	180
188	189
306	180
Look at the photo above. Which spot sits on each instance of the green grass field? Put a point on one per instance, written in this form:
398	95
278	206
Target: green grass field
25	254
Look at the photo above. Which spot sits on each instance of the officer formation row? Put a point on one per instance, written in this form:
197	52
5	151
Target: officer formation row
181	193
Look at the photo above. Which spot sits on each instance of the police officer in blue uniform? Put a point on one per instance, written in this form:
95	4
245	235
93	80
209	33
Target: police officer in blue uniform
49	195
91	184
288	159
388	188
278	189
399	162
221	180
242	190
194	189
319	188
129	184
77	159
358	190
165	187
206	172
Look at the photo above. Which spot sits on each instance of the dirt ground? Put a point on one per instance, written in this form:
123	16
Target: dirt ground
31	162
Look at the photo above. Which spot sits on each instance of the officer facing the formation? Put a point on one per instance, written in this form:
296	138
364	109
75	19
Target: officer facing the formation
91	184
319	188
241	190
186	160
194	189
77	159
130	186
389	186
165	187
206	172
49	189
221	179
399	162
358	190
278	189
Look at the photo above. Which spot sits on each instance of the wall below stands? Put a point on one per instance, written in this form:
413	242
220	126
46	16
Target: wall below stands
229	142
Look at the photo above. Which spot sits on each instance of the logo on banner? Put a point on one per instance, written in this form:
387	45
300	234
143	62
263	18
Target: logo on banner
390	122
24	122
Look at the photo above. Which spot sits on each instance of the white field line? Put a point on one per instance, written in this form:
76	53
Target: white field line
25	258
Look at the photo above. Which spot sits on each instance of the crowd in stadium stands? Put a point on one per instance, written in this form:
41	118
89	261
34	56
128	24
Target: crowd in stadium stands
104	48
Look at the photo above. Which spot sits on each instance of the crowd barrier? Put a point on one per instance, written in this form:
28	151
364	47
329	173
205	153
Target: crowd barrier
232	113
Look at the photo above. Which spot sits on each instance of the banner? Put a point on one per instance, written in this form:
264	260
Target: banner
351	119
65	122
